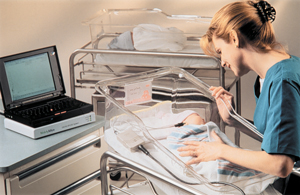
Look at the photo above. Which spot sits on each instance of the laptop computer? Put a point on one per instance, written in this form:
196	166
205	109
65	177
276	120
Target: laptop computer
33	91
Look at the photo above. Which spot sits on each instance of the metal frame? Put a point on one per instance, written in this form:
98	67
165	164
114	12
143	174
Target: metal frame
141	169
86	51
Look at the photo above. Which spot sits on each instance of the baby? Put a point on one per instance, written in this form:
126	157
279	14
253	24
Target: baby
145	37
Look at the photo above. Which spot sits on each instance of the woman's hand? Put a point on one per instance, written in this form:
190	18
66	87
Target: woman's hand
221	94
202	151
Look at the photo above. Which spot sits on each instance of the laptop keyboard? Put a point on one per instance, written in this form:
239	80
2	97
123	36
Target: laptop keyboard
50	111
51	108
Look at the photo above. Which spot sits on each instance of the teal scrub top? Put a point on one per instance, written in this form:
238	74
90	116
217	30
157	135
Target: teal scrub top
277	112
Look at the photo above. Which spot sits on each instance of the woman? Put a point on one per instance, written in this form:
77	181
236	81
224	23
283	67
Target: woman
241	35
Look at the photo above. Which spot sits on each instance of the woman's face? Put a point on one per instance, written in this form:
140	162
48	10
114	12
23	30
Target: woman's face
231	56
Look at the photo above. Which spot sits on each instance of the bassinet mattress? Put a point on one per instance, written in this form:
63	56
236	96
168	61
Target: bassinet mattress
116	58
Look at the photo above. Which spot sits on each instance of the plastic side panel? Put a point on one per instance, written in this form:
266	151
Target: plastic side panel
59	175
111	21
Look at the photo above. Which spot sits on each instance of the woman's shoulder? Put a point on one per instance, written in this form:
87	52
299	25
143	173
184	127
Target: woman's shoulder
285	68
292	62
294	59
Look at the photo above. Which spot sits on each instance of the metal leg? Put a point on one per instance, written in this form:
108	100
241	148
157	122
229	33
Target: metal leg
238	110
222	83
139	168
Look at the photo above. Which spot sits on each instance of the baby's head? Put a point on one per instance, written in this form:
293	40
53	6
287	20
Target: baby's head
194	119
123	41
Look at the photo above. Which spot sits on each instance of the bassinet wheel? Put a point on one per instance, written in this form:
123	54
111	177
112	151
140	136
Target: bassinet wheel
116	175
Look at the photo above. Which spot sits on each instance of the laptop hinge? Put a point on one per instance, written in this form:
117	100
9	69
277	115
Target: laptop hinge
34	100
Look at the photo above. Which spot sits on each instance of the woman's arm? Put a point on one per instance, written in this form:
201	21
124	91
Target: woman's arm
274	164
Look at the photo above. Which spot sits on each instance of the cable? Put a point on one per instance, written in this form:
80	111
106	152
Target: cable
145	151
159	128
167	126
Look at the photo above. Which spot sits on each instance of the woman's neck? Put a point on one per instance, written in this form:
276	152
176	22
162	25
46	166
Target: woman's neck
262	62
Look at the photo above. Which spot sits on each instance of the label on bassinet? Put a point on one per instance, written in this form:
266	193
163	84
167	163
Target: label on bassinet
138	92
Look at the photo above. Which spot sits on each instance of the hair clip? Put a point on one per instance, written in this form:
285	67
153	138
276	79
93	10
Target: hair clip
265	11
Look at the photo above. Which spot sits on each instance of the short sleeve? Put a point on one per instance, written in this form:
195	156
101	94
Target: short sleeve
282	133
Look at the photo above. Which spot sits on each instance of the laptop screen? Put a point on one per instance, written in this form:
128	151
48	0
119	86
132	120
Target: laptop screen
30	75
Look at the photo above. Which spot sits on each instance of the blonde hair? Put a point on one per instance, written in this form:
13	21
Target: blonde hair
244	18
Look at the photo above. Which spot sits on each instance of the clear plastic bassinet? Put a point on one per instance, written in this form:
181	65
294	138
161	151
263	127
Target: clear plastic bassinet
95	61
110	23
131	99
